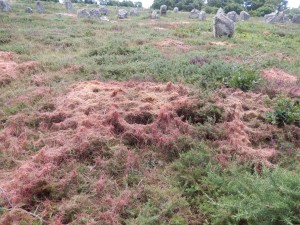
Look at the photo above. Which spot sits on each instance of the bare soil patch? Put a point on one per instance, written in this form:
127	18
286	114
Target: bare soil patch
219	43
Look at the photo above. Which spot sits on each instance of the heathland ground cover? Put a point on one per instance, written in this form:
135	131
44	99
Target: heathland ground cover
142	121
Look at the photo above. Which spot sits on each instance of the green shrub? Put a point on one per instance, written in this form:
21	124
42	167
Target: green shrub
233	7
238	195
268	197
243	78
264	10
210	9
285	111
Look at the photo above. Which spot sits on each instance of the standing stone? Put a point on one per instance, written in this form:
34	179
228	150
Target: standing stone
194	14
69	6
134	12
154	15
83	13
244	16
95	13
220	10
296	18
28	10
4	6
104	11
202	16
39	7
233	16
163	10
122	14
279	17
175	10
269	17
223	26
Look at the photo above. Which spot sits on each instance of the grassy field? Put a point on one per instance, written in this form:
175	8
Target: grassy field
142	121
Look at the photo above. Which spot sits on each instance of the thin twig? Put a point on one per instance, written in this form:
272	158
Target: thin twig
7	198
17	208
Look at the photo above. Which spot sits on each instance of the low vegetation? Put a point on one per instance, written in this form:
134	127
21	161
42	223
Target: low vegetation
142	121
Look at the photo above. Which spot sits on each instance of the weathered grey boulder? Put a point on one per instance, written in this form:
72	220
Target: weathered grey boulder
122	14
220	10
274	17
175	10
134	12
4	6
233	16
154	15
28	10
69	6
83	13
296	18
39	7
270	17
202	16
163	10
104	11
244	16
223	26
194	14
95	13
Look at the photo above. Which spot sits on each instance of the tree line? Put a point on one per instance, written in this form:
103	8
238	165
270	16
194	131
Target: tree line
257	7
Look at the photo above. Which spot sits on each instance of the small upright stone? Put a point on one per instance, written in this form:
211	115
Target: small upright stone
163	10
154	15
95	14
4	6
202	16
244	16
83	13
220	10
104	11
233	16
194	14
122	14
39	7
175	10
28	10
69	6
134	12
223	26
296	18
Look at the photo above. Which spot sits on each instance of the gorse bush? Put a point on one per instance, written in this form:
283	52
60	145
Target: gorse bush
238	195
286	111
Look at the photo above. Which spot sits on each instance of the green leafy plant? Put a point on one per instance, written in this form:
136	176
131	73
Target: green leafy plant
285	111
242	78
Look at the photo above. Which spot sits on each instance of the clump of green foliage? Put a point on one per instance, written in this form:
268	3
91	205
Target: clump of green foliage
243	78
238	194
285	111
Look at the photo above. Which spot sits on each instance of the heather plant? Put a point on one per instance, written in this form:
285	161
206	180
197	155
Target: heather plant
285	111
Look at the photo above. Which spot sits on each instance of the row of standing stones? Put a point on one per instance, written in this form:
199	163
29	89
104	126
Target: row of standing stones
275	17
223	24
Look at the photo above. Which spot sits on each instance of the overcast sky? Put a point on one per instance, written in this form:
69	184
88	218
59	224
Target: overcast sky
292	3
